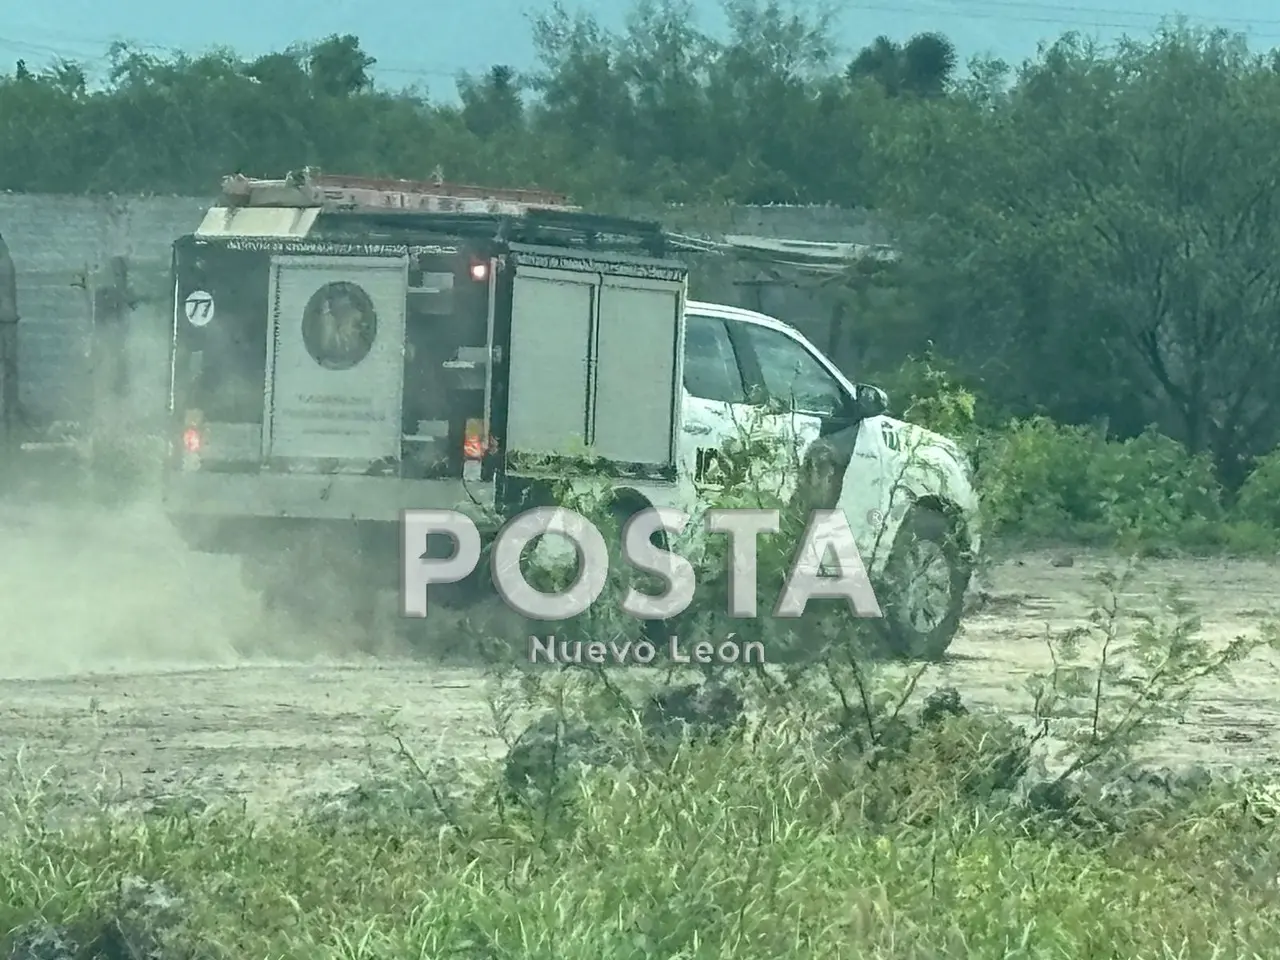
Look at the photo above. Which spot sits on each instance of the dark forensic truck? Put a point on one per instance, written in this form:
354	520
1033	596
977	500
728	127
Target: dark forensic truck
345	349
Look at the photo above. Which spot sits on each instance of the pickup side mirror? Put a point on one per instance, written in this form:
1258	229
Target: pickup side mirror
869	401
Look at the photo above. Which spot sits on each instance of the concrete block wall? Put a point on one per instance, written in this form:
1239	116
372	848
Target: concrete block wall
62	245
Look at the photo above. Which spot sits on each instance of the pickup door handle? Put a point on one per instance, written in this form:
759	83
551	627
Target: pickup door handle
697	428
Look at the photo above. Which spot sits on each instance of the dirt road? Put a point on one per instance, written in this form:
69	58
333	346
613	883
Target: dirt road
129	664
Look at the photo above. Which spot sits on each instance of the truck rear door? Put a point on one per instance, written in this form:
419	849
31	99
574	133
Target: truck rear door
595	364
335	360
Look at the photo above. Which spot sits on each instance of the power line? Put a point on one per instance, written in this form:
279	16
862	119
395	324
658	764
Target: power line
1111	12
1060	21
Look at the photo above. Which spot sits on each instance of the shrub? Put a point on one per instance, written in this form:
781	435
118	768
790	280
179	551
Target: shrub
1041	479
934	398
1258	501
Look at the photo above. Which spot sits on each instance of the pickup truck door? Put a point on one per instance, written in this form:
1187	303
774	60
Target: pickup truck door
805	400
715	400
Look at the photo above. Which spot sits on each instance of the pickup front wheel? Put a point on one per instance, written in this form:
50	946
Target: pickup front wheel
922	596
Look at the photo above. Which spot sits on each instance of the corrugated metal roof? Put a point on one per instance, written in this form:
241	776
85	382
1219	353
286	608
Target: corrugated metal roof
807	255
258	221
808	250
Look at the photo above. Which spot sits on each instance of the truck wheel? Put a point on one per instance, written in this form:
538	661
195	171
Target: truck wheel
655	631
317	580
925	581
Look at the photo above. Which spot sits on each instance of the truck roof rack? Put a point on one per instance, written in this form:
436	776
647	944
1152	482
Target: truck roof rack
557	228
341	206
308	188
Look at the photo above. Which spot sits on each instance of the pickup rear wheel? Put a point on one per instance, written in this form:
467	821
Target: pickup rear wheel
925	580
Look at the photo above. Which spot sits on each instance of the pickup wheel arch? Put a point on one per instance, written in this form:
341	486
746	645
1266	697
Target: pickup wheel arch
951	511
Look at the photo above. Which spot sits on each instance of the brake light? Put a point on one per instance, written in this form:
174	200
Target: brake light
479	271
191	440
475	441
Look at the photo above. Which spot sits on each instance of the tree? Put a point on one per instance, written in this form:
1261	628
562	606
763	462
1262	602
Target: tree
492	104
924	67
1092	236
338	67
1104	242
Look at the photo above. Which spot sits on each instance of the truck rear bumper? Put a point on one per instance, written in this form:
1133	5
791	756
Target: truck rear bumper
303	497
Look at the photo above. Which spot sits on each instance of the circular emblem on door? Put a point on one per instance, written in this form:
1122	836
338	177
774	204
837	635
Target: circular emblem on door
339	325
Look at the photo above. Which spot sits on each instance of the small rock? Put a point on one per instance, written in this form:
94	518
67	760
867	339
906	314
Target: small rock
943	702
1063	560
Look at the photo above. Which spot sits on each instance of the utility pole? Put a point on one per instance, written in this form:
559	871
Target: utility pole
112	304
9	414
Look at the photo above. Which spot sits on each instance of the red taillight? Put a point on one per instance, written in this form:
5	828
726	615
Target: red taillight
479	271
191	440
475	441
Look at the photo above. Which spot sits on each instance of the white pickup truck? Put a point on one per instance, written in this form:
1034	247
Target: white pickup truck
346	349
907	492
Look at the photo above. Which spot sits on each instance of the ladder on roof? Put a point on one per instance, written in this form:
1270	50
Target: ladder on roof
310	189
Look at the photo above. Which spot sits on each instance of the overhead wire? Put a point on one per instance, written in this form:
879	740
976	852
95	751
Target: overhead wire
1067	16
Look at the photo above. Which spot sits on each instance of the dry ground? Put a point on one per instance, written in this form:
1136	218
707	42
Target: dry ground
129	663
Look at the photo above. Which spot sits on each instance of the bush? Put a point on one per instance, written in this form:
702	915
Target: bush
1040	479
934	397
1259	499
789	486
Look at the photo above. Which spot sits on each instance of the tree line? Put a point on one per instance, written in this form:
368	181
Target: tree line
1090	235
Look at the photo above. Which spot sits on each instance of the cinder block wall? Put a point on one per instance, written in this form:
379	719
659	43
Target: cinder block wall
61	247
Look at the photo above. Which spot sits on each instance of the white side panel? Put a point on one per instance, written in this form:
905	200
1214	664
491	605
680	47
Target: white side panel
289	222
639	340
337	361
551	314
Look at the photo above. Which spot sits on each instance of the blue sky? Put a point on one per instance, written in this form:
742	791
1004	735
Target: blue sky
427	42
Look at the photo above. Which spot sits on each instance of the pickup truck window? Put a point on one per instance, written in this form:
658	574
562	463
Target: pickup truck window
711	369
791	374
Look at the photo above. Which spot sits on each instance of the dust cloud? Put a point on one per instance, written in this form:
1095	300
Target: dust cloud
95	579
89	588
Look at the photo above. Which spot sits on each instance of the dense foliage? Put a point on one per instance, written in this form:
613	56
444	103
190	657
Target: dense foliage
1089	237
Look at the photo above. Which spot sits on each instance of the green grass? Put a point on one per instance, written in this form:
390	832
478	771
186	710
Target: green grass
742	850
845	819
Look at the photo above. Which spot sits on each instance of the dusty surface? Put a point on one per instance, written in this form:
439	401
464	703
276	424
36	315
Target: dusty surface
131	665
1032	598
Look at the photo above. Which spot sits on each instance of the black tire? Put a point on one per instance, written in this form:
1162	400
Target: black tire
919	623
317	579
655	631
